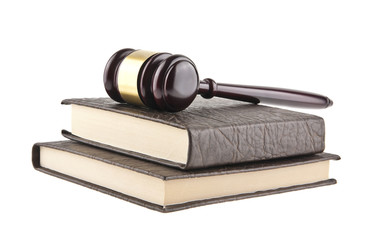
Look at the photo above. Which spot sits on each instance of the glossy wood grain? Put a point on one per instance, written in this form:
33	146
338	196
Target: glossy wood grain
110	73
259	94
170	83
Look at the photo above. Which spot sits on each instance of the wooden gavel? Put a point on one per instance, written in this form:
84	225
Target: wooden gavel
170	82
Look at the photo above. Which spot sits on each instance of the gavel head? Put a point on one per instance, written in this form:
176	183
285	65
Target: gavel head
158	80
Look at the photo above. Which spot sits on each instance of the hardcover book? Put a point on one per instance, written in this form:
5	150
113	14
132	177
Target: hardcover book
167	189
208	133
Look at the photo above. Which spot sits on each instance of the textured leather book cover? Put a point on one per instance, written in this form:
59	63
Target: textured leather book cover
224	131
167	173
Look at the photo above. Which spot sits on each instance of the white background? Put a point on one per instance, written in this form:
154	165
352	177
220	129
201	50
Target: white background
50	51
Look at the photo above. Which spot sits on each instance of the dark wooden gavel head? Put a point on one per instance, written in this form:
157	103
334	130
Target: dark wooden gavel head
170	82
158	80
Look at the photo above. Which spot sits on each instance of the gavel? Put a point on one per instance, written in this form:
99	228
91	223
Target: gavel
170	82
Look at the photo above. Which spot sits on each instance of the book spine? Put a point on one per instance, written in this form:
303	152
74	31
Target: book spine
238	144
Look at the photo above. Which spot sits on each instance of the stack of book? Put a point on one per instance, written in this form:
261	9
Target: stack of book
214	151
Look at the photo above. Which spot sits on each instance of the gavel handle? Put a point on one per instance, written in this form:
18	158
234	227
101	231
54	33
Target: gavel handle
208	88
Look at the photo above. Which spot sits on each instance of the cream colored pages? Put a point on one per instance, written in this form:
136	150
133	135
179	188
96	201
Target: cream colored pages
169	192
146	137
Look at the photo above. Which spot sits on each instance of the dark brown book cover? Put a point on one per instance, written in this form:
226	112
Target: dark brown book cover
168	173
224	131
